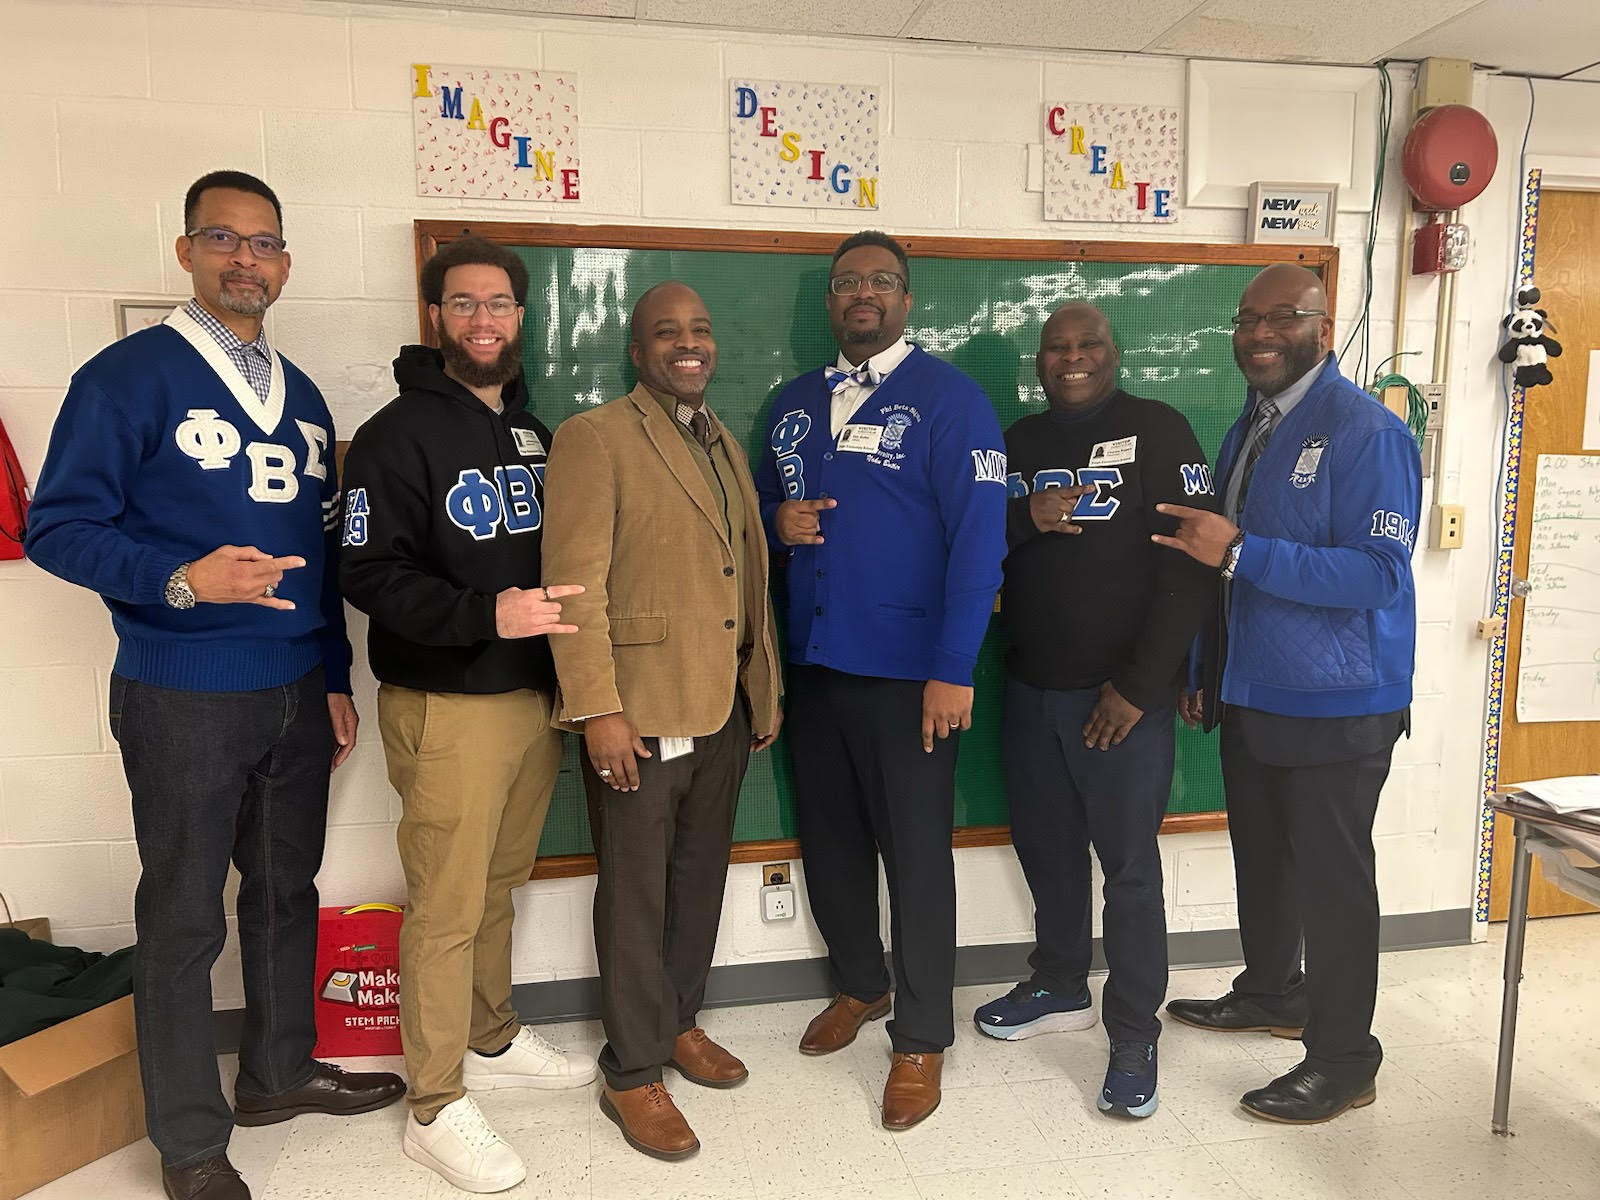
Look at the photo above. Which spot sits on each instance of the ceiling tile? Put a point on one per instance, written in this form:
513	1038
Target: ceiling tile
880	18
1052	24
1362	31
1499	33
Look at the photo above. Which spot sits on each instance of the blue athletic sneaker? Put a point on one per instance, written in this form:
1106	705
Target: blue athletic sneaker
1027	1010
1130	1087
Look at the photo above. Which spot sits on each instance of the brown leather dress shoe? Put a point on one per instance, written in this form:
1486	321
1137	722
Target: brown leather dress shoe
650	1121
835	1027
700	1060
209	1179
912	1092
331	1090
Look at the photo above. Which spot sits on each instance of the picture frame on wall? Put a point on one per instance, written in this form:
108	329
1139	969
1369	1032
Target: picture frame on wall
133	315
1299	214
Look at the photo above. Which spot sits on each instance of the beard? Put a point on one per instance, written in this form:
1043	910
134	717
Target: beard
1298	358
460	363
246	301
861	335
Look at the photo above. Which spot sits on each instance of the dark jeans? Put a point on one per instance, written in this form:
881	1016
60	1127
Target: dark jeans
218	776
1301	827
865	787
1065	797
662	860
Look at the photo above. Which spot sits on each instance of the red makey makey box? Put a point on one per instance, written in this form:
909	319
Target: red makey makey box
358	981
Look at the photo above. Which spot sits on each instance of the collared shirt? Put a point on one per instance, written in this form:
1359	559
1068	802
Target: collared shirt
717	469
854	394
253	359
1284	401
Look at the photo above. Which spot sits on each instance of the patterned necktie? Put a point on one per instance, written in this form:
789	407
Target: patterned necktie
866	375
700	426
1260	430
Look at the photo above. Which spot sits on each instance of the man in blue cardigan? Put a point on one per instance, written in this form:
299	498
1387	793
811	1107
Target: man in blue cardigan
1313	649
230	696
884	488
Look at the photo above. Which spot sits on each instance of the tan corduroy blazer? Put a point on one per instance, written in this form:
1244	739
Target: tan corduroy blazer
629	515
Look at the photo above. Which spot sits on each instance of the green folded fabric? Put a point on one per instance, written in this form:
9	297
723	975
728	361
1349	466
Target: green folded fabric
42	985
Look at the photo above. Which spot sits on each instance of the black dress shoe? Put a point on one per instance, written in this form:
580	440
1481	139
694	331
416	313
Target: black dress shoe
1233	1013
331	1090
209	1179
1305	1096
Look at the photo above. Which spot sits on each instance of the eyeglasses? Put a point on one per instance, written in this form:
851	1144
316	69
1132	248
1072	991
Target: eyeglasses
881	282
1279	319
465	306
226	241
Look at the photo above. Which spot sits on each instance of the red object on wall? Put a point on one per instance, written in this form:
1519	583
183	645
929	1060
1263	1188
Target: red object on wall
13	500
1449	157
358	981
1439	247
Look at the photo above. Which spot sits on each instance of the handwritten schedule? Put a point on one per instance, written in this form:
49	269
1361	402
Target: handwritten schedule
1559	675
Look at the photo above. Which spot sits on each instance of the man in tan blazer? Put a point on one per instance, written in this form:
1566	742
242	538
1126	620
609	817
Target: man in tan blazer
672	678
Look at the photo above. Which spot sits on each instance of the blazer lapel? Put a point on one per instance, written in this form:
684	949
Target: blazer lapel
669	444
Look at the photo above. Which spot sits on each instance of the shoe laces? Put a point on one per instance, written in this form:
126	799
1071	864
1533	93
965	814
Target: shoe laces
1025	992
656	1095
1131	1058
209	1168
466	1119
543	1045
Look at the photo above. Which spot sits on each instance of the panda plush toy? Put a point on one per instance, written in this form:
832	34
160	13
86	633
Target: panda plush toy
1526	343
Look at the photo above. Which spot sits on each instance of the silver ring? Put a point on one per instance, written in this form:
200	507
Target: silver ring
546	592
270	590
604	772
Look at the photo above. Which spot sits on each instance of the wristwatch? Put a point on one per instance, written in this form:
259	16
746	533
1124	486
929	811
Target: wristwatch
1230	556
179	594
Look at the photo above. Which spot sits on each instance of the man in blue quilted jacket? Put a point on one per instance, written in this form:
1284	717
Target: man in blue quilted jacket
1308	670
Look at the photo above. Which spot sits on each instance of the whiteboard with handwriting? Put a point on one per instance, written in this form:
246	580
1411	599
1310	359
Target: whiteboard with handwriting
1559	676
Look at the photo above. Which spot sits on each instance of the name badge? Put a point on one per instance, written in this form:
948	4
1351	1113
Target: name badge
1114	454
528	443
672	748
861	439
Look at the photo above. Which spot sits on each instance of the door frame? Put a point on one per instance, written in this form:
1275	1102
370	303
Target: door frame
1566	173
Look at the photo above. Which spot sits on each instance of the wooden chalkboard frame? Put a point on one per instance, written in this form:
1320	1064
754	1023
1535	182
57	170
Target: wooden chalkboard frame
429	235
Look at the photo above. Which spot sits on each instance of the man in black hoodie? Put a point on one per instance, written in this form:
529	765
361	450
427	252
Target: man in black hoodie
444	491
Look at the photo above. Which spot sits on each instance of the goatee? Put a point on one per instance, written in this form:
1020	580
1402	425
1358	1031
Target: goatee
461	365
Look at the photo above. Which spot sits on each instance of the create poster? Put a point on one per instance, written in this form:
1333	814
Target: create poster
499	133
803	145
1111	162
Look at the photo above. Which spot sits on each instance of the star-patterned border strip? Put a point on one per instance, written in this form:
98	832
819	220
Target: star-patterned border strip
1502	572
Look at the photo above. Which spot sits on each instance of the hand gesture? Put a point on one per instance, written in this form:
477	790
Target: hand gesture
1203	536
798	523
1051	509
530	612
241	575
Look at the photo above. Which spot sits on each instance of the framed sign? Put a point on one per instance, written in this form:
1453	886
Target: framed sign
133	315
1295	213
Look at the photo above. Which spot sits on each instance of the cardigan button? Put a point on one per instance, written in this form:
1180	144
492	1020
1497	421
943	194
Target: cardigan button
727	624
727	570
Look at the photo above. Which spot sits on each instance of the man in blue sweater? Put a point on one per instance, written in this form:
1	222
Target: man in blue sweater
1308	668
885	487
230	697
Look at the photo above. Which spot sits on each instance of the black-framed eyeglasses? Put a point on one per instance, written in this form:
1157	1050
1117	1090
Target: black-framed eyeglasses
465	306
226	241
881	282
1279	319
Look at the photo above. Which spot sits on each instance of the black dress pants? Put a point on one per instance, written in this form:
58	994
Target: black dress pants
864	788
1302	794
662	855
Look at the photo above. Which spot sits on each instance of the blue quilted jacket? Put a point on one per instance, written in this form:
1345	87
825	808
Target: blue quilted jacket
1324	614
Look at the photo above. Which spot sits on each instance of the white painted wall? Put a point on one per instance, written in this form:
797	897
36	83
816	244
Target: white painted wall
113	108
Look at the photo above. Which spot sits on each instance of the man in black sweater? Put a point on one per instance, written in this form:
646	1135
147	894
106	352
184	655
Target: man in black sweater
444	491
1100	623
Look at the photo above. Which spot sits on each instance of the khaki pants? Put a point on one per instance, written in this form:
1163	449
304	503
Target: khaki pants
475	775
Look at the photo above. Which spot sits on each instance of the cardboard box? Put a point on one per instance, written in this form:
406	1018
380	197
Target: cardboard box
37	928
68	1095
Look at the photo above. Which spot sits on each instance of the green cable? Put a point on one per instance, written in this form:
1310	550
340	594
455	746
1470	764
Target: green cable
1416	402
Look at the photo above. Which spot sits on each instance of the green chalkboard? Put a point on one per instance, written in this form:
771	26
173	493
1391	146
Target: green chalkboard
978	304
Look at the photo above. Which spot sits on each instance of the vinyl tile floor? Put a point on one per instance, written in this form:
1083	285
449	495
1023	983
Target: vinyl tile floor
1018	1120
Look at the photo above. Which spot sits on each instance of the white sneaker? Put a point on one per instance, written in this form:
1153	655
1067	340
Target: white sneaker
530	1062
461	1146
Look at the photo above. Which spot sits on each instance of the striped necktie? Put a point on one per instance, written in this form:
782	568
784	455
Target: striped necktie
1266	418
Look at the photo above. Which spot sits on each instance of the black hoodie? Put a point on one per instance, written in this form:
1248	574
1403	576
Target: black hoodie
444	509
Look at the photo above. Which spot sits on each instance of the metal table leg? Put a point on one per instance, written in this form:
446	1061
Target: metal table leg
1516	932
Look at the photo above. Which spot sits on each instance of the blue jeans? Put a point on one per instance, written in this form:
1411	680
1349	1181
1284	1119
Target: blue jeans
1065	797
220	776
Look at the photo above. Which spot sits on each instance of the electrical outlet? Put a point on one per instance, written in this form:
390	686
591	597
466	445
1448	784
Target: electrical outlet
773	873
777	902
1433	393
1448	520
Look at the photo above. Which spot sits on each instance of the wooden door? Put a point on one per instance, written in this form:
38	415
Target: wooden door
1567	272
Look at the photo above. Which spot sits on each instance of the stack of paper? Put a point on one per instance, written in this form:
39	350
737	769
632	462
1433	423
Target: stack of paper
1568	794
